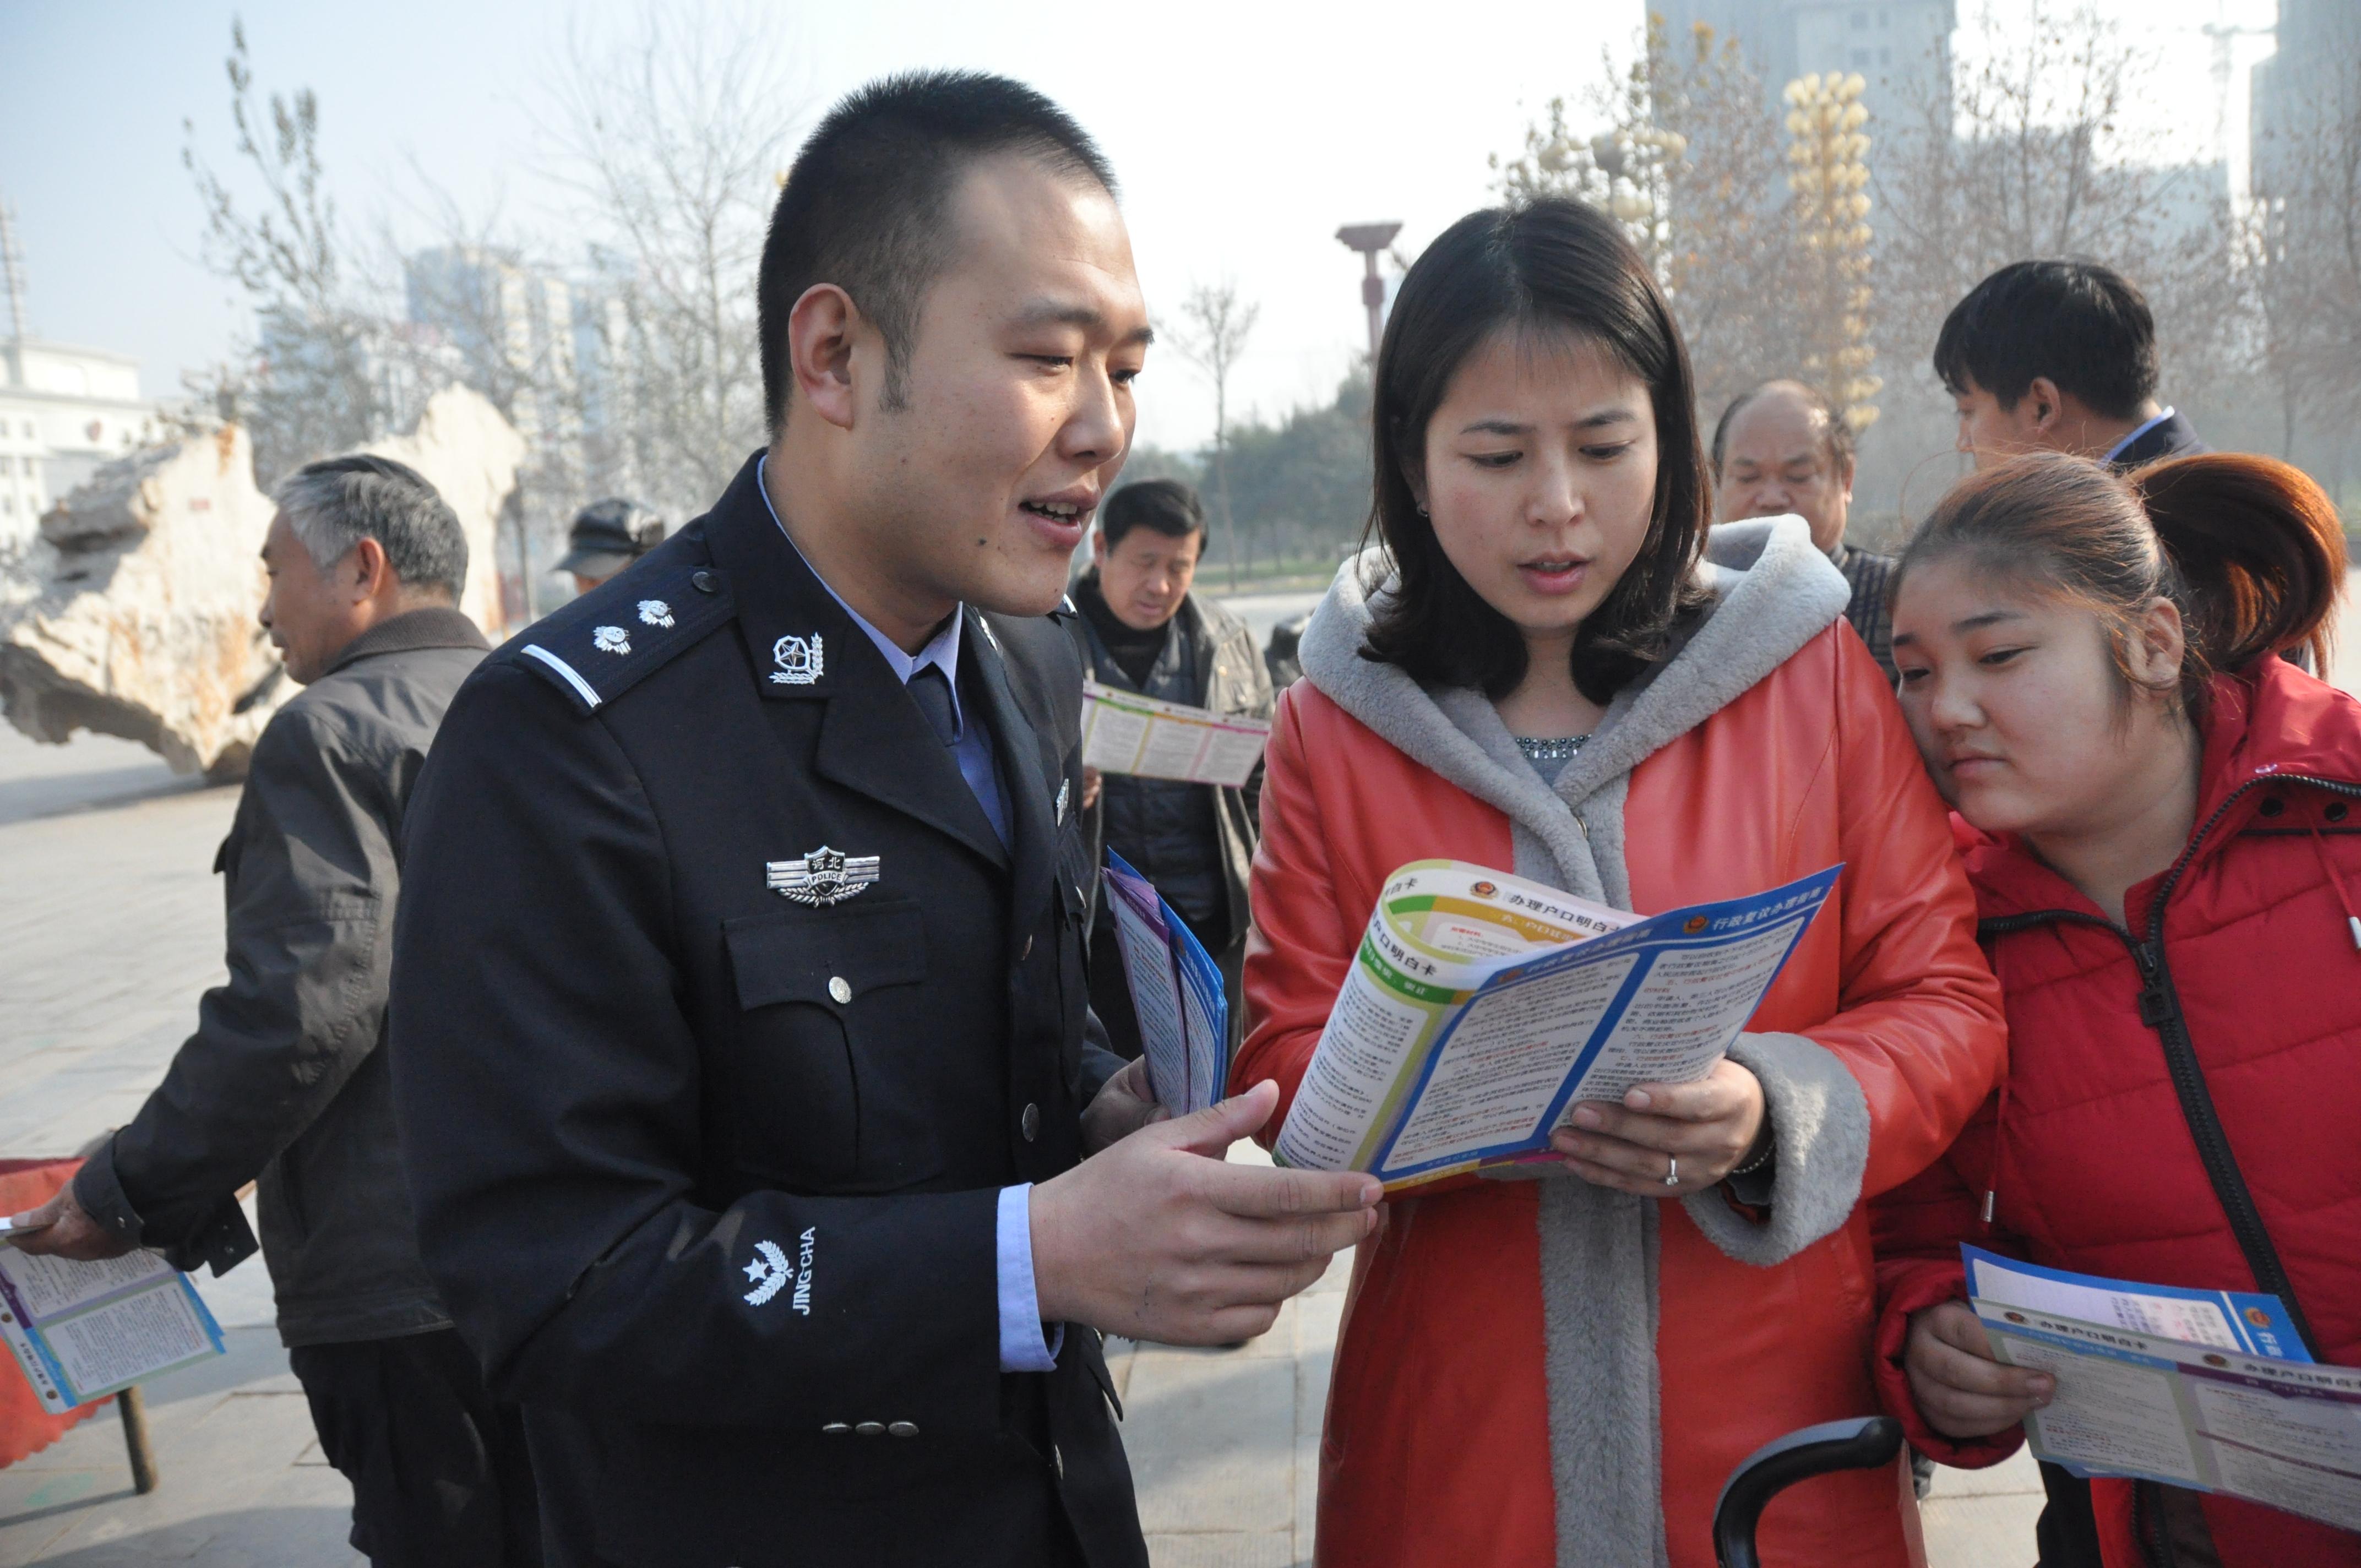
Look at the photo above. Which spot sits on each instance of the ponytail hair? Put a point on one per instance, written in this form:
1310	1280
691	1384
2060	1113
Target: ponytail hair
2248	549
2259	548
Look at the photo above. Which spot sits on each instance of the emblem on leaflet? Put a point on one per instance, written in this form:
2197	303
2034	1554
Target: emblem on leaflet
822	877
612	639
798	659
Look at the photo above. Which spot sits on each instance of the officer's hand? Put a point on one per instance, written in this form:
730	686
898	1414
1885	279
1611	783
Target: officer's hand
61	1228
1960	1389
1121	1109
1156	1237
1092	779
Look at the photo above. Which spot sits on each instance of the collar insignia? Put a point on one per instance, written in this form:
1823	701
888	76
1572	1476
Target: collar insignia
1063	785
822	877
798	659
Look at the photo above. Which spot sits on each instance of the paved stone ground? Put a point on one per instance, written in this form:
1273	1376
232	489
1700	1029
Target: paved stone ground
110	927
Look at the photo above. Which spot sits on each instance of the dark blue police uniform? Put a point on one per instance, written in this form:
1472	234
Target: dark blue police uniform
720	1015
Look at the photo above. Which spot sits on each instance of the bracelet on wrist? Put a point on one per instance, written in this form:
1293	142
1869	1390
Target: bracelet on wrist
1770	1148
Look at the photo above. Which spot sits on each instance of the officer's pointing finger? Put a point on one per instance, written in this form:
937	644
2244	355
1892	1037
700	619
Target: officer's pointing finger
1256	1193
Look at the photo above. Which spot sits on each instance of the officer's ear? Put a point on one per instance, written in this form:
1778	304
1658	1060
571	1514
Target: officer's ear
831	349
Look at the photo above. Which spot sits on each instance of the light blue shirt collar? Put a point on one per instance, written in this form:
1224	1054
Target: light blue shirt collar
942	653
2112	452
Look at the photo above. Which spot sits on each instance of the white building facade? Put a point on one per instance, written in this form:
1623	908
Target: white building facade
64	410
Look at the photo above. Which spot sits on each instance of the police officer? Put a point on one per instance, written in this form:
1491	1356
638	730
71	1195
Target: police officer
608	536
740	1034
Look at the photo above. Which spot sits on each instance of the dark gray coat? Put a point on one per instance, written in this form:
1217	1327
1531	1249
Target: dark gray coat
283	1083
1231	679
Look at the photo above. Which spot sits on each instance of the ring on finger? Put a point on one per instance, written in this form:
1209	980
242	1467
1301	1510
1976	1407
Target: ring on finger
1672	1170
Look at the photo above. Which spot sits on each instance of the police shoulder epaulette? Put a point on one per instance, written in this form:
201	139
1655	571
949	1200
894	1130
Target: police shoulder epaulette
602	644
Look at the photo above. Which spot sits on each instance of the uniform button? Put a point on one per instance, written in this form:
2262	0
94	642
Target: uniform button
871	1429
904	1429
1029	1124
705	582
835	1429
1028	950
839	989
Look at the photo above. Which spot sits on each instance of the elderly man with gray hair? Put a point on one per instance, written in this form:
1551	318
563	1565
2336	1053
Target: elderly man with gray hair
283	1083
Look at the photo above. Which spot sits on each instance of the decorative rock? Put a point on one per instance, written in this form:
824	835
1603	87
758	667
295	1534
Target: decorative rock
133	613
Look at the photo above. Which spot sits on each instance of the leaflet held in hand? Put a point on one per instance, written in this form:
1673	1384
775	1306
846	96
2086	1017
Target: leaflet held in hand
2210	1389
1176	990
1124	732
81	1331
1480	1007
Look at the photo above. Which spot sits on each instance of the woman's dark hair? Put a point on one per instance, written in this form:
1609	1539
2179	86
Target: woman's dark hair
1542	269
2248	548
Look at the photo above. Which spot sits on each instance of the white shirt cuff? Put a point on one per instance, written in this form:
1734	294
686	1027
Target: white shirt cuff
1026	1343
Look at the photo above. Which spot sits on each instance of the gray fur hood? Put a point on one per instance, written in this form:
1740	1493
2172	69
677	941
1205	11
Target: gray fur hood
1773	590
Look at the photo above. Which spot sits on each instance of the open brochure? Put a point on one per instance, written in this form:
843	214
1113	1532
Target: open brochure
1480	1007
81	1331
2210	1389
1124	732
1176	990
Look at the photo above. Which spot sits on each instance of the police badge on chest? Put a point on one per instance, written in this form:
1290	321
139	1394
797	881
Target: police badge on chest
820	877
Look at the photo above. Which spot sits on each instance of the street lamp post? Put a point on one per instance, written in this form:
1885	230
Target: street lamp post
1369	239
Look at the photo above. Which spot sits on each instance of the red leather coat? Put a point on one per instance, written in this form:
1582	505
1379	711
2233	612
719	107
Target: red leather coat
1436	1451
2247	968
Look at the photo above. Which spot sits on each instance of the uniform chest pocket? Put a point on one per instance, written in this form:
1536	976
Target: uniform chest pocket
821	993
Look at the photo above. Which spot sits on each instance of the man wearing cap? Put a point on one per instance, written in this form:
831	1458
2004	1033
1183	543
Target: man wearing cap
608	536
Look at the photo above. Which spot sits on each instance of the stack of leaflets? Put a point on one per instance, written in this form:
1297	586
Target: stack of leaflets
1480	1007
1176	989
82	1331
2208	1389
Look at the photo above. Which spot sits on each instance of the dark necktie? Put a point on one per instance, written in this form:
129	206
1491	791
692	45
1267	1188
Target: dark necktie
931	690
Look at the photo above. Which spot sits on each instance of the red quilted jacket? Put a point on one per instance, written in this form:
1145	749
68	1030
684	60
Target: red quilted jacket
2185	1096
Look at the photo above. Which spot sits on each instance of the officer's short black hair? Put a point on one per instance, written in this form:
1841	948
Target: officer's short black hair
334	504
1165	506
867	205
2086	326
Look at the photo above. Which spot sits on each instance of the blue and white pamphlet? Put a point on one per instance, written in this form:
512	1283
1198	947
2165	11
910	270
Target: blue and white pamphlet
1176	989
82	1331
1480	1007
2209	1389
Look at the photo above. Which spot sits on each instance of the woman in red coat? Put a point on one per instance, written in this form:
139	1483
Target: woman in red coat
1551	671
2162	821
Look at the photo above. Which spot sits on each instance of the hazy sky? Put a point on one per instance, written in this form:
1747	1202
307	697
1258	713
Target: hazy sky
1243	135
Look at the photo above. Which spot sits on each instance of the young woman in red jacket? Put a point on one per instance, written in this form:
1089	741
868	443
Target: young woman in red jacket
2162	822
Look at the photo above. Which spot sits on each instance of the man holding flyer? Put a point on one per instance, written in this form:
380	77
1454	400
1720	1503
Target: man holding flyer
1141	631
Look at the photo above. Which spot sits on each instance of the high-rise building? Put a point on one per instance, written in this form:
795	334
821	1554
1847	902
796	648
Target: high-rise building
510	325
1901	47
2310	79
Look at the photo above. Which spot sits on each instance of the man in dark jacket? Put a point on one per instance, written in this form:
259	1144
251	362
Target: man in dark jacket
760	1138
1782	449
2058	356
1142	631
283	1084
